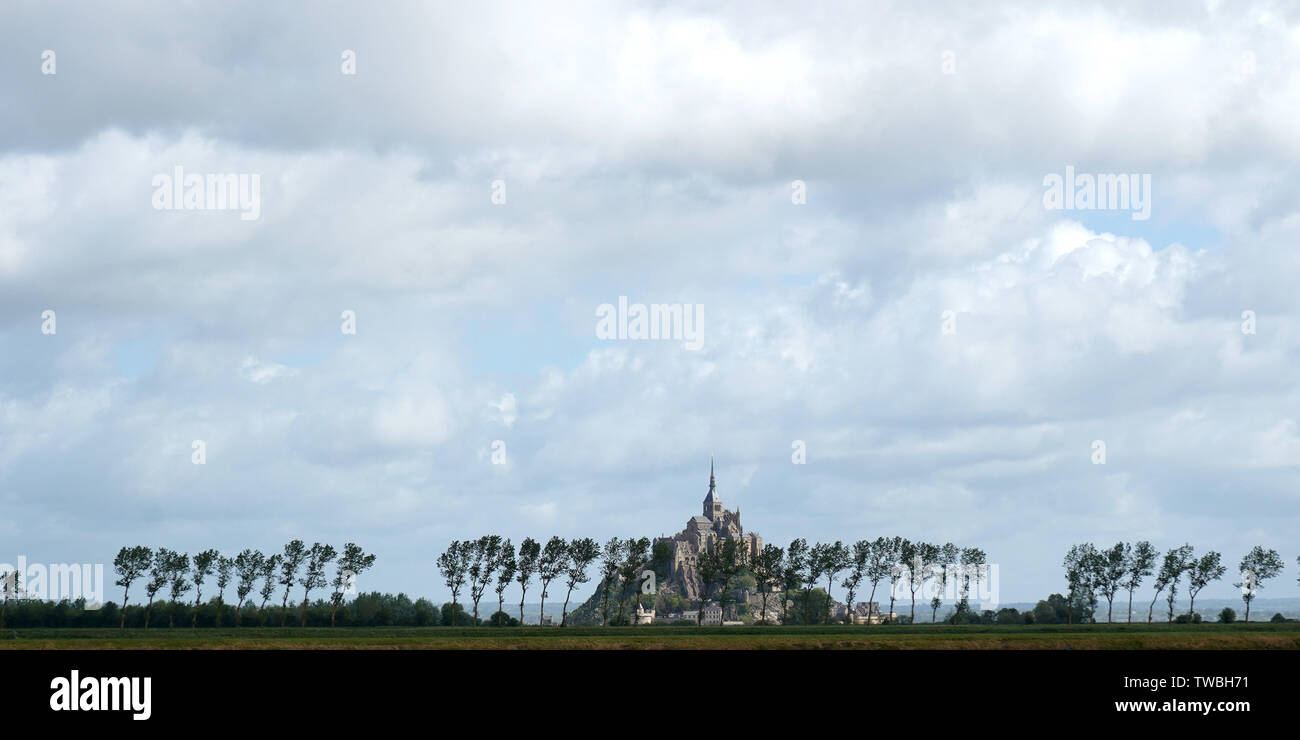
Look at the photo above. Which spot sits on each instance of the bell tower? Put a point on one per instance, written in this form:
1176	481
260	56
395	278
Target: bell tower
712	503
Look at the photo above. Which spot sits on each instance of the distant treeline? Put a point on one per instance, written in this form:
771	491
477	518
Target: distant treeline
371	609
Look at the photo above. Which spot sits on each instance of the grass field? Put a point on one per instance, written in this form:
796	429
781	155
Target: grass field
873	637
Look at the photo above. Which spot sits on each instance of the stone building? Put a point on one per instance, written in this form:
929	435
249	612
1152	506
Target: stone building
644	615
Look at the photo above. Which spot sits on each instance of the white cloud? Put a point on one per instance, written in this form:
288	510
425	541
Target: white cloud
649	152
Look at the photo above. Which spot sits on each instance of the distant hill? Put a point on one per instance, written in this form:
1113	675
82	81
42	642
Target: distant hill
1260	609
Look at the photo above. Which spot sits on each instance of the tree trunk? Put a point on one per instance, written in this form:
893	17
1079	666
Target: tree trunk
1130	606
829	579
284	608
542	613
564	611
147	611
522	596
1247	610
122	624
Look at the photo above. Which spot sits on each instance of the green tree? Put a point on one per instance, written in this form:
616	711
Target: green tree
1228	615
1200	573
10	584
248	566
552	562
943	573
294	554
269	566
973	561
1112	565
1082	571
130	564
1139	562
1171	569
793	573
708	565
833	559
178	570
582	553
857	570
224	567
314	577
453	564
636	557
817	561
204	563
893	549
454	615
919	558
767	572
610	559
1257	566
505	573
731	562
482	566
351	564
529	551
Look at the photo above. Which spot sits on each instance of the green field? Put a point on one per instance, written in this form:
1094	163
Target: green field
837	637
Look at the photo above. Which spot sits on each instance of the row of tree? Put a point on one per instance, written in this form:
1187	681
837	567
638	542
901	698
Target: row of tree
493	562
298	564
898	561
1091	573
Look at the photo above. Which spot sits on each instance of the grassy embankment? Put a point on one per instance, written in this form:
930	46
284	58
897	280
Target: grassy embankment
1258	635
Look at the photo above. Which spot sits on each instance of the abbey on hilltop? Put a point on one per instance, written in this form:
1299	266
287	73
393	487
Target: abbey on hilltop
700	534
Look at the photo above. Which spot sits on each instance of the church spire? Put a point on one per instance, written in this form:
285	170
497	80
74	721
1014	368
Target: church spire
712	502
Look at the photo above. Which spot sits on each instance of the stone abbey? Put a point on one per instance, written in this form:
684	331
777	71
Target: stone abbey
702	532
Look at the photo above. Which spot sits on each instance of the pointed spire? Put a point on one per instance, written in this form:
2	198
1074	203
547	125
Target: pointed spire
712	497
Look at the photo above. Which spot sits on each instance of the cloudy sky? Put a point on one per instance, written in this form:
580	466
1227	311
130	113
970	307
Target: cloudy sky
650	150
